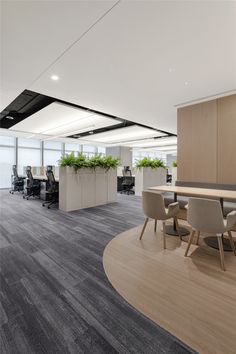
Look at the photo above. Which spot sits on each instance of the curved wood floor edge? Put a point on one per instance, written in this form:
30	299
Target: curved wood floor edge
191	297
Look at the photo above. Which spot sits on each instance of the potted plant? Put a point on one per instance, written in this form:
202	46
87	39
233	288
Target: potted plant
149	173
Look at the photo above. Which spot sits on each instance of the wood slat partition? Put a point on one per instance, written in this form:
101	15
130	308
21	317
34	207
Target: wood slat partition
207	141
226	108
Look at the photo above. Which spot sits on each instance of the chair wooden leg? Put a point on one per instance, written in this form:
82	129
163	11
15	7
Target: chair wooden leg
232	242
189	242
198	235
155	226
221	252
144	227
177	226
164	234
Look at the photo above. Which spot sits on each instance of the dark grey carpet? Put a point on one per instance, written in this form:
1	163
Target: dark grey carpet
55	297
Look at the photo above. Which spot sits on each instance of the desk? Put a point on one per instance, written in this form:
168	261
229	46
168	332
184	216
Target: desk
41	177
44	178
200	192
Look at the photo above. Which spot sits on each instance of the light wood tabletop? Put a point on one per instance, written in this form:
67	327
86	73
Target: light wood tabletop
198	192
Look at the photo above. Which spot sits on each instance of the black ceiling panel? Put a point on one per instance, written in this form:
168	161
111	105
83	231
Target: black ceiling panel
30	102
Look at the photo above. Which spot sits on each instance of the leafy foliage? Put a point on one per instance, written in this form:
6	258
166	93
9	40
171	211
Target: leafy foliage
81	161
147	162
174	163
67	160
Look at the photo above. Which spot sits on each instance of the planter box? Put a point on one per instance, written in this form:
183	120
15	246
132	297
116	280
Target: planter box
86	188
149	177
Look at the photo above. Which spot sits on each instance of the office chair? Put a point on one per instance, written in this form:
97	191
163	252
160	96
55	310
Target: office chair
17	182
33	186
52	188
128	181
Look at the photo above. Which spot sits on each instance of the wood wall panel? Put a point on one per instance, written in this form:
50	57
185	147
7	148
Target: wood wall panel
227	139
207	141
197	142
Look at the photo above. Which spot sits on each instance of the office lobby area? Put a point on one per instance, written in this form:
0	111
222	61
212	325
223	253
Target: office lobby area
117	177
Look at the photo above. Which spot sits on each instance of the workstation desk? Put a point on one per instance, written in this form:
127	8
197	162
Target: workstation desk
44	178
40	177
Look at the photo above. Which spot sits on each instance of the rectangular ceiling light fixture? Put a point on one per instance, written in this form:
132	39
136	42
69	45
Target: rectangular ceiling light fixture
58	119
121	135
152	142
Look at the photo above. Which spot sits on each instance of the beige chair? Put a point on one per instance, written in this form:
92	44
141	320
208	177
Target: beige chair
205	215
154	208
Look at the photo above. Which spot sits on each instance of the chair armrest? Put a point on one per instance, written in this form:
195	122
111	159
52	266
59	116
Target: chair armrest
173	205
173	209
231	219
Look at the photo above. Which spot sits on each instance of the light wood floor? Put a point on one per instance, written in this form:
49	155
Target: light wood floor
190	297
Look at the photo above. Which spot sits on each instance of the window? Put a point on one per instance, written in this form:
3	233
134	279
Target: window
75	148
28	157
89	150
7	159
28	143
28	154
53	145
51	157
101	150
52	153
7	140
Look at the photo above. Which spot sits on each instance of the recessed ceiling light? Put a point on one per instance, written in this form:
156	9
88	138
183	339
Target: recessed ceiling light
10	117
91	132
55	77
186	83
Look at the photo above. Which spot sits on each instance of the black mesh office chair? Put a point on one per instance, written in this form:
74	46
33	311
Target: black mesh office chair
128	181
52	192
32	186
17	182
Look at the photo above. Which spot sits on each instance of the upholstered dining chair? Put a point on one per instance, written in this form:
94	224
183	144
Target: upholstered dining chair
154	208
205	215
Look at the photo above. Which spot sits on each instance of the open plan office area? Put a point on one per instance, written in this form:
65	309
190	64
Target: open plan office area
118	177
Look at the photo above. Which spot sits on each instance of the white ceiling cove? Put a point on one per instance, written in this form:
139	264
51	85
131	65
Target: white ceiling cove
133	59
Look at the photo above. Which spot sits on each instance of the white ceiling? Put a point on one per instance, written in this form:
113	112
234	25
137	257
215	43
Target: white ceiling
137	62
35	33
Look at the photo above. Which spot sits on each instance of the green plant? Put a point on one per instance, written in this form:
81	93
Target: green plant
174	163
96	161
147	162
81	161
110	162
67	160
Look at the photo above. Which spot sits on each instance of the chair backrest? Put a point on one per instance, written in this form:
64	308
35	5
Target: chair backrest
205	215
51	179
153	205
14	170
126	171
29	176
